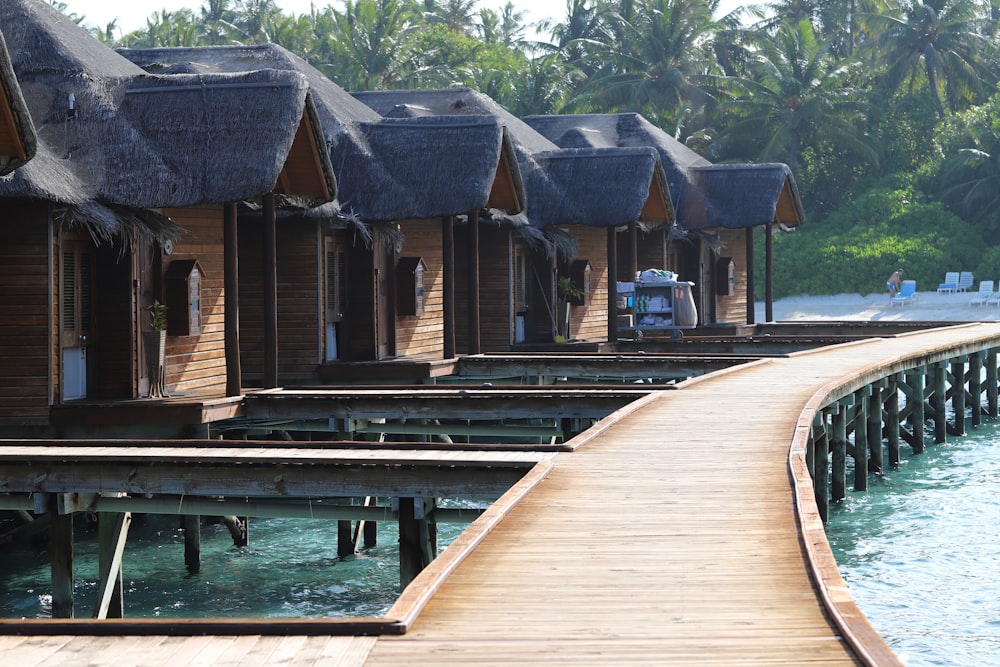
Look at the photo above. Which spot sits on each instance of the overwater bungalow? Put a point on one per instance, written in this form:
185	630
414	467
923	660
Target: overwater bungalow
17	134
718	209
370	277
575	200
131	199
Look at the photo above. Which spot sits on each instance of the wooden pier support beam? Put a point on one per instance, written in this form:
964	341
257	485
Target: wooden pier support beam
958	395
821	464
918	389
61	556
874	428
861	440
891	416
939	402
992	391
112	532
191	523
976	387
838	445
417	537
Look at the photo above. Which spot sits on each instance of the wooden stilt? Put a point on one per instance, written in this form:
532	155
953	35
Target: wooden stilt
362	531
417	537
976	387
192	542
861	440
112	529
874	428
239	529
939	399
958	395
918	385
821	465
838	445
892	419
992	390
61	553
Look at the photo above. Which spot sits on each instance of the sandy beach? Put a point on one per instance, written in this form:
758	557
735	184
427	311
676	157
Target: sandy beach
924	306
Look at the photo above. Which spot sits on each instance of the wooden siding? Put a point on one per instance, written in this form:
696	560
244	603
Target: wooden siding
733	309
198	362
300	328
590	321
25	329
496	326
651	251
423	335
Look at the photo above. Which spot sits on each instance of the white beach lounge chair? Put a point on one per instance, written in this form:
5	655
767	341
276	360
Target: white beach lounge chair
965	281
906	293
950	283
984	295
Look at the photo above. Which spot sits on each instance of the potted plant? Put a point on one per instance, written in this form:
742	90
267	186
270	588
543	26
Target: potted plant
568	294
154	343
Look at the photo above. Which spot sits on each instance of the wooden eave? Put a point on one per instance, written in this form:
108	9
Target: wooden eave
503	192
10	138
303	173
786	212
656	208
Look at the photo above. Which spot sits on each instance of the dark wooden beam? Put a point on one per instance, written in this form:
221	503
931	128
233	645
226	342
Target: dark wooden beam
231	301
472	257
751	279
448	271
769	273
61	558
612	285
270	269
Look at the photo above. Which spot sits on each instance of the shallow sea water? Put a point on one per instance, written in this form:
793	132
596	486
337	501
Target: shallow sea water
920	552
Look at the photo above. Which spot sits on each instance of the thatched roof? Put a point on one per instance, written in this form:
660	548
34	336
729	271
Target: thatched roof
597	187
111	135
17	133
706	196
386	169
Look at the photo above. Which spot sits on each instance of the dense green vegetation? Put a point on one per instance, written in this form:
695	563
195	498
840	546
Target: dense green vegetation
886	110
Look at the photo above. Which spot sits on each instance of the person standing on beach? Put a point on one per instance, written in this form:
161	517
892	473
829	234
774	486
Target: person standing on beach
894	283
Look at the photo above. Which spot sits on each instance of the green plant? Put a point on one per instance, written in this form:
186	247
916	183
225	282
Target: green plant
567	290
158	316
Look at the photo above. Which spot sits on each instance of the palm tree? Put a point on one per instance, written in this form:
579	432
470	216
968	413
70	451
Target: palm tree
369	40
798	94
937	43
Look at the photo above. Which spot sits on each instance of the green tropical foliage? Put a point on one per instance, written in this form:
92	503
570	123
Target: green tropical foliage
881	107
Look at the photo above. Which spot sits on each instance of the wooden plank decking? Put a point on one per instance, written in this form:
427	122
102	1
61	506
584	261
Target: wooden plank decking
670	537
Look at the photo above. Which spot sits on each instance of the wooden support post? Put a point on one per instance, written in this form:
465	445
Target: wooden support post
112	531
61	556
345	539
838	490
751	285
270	270
231	301
874	428
417	537
918	388
769	273
821	465
370	534
239	529
612	251
448	290
992	390
892	419
472	257
861	440
958	395
939	399
810	449
976	387
192	542
633	254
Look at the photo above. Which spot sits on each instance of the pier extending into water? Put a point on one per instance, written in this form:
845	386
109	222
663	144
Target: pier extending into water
686	528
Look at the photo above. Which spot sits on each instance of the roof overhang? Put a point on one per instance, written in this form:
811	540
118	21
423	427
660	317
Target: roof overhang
507	192
307	171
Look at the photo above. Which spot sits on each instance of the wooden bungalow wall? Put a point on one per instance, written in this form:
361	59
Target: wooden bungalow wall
423	335
733	309
590	321
25	328
299	280
198	362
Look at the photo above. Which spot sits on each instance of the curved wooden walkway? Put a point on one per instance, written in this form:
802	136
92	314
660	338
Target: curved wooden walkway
670	536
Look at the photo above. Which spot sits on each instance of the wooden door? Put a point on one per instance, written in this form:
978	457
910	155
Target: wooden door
76	294
385	305
335	296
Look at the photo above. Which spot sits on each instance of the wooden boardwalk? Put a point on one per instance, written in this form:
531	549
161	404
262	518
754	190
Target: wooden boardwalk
670	536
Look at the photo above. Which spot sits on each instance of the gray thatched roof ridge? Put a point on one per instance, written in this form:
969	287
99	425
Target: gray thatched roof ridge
737	196
561	187
385	170
222	137
24	131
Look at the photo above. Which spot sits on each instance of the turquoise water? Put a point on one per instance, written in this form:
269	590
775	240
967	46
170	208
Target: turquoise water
920	552
290	569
